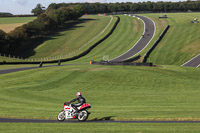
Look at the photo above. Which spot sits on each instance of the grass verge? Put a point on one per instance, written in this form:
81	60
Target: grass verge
126	34
99	127
181	43
127	93
8	24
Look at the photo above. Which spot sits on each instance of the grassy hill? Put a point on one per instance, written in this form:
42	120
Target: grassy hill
127	33
160	26
71	41
8	24
178	46
2	58
121	92
126	93
181	42
76	38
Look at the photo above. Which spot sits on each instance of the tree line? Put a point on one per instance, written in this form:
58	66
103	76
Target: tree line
45	24
5	14
93	8
56	16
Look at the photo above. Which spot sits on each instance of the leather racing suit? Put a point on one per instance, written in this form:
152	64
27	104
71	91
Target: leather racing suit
81	100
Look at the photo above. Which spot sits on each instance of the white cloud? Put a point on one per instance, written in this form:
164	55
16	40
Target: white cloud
22	2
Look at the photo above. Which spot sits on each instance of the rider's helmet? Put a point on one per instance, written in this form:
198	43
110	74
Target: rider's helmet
78	94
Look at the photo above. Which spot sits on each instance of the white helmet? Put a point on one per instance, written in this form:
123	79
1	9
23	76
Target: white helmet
78	94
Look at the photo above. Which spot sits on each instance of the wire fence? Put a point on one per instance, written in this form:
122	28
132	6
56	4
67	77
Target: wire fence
58	57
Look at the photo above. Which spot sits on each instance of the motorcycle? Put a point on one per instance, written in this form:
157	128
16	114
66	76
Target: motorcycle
70	113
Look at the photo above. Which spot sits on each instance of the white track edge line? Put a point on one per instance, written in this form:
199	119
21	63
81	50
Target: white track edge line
191	60
151	38
141	38
134	44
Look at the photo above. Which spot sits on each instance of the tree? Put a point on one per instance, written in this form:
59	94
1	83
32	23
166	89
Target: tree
2	40
38	10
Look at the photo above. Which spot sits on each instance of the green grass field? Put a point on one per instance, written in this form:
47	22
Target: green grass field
167	92
75	39
125	93
181	43
8	24
127	33
160	26
14	20
2	58
168	52
99	127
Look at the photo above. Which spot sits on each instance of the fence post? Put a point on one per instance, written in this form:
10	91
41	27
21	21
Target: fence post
59	62
41	63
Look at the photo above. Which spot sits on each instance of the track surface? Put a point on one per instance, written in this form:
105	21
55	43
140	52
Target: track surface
21	69
194	62
7	120
28	68
140	45
16	70
149	31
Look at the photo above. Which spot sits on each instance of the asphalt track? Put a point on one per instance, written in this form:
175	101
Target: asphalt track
194	62
16	70
140	45
148	34
8	120
5	71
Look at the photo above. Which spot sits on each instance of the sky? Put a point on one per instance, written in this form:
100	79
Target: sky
25	6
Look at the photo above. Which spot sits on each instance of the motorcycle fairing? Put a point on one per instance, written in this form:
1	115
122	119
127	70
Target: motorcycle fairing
68	112
84	106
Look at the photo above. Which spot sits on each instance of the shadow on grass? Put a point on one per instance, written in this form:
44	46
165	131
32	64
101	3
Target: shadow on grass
29	45
107	118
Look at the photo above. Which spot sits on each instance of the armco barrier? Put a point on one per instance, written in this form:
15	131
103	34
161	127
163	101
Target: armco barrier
72	58
132	59
120	63
155	44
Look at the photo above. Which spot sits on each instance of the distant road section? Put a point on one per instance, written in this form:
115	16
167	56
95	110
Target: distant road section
28	68
194	62
16	70
149	32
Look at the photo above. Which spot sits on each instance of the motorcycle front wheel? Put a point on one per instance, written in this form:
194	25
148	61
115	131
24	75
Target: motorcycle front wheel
61	116
83	115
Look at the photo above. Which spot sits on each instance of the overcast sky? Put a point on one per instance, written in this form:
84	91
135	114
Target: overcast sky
25	6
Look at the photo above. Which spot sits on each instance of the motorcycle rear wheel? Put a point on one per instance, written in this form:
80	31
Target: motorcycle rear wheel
61	116
83	115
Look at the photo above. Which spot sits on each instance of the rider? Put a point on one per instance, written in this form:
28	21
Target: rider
81	100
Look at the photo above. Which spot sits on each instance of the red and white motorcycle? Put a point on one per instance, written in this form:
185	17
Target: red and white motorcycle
70	113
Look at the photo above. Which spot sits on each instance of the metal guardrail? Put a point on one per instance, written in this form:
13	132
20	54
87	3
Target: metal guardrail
120	63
